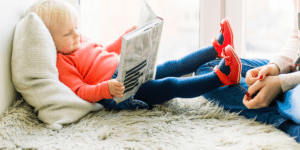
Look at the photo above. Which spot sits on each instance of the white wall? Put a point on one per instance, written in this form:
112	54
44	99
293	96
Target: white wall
11	12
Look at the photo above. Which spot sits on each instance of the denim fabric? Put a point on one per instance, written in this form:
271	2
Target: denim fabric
288	105
231	97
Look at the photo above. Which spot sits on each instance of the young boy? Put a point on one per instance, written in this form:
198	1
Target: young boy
89	69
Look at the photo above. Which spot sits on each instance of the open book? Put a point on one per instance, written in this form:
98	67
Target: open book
139	50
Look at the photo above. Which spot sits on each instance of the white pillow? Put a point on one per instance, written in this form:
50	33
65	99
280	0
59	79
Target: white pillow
35	76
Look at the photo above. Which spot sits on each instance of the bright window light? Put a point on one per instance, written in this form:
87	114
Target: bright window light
105	20
268	26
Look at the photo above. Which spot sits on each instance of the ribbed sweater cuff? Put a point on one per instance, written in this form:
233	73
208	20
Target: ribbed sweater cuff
289	81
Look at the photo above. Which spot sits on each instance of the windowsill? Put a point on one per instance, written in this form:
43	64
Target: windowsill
260	54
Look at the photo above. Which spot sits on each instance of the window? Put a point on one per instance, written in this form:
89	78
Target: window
261	27
213	11
105	20
268	25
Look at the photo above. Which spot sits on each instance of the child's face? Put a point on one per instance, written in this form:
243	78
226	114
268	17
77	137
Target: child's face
66	36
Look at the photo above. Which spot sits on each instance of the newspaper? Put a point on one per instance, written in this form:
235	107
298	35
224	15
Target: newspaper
139	50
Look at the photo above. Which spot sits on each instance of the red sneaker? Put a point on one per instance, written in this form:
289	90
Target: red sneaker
227	32
234	62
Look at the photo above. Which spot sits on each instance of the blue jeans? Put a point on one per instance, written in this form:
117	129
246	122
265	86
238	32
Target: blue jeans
289	104
231	97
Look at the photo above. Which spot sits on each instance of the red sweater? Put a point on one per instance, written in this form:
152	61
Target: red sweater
87	70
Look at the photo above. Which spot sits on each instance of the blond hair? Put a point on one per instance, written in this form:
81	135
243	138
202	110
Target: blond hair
54	10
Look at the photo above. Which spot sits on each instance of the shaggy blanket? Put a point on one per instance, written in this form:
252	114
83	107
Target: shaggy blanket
179	124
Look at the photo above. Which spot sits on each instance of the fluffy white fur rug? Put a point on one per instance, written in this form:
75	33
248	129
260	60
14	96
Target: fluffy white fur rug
179	124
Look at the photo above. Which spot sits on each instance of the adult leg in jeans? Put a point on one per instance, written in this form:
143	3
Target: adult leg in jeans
231	98
288	105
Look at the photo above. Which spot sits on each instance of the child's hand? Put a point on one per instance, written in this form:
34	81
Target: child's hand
133	28
116	88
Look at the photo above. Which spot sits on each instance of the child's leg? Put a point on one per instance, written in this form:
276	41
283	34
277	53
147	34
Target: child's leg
128	104
161	90
189	63
186	64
